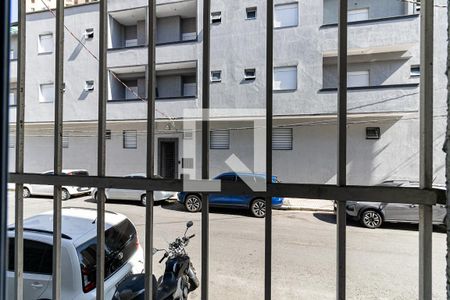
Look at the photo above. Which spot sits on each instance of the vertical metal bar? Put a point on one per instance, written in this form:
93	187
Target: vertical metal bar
4	148
426	146
20	119
151	87
59	94
205	145
101	146
269	126
342	150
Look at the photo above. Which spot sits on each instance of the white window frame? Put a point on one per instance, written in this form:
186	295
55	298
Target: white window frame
248	76
216	17
216	78
130	139
219	139
364	73
42	97
251	9
282	8
42	49
277	80
282	133
358	14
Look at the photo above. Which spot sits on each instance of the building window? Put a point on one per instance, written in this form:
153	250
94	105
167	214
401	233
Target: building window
286	15
131	90
108	134
219	139
130	139
285	78
282	139
12	97
373	133
89	85
358	79
46	44
355	15
47	93
415	71
189	86
89	33
216	76
131	39
251	13
65	142
250	74
216	17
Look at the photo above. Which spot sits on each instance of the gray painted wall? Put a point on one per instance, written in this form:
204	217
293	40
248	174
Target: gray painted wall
168	29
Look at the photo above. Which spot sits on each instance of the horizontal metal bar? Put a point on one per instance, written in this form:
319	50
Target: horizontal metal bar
307	191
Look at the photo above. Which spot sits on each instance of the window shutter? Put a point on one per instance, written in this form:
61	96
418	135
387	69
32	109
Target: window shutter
286	15
130	139
282	139
360	78
285	78
220	139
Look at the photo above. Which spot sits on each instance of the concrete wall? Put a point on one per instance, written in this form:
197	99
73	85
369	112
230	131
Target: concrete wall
377	9
168	29
117	36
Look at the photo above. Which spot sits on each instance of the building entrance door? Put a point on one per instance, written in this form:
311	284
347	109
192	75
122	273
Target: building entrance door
168	158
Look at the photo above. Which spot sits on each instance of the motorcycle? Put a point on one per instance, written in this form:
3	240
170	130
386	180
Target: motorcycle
179	277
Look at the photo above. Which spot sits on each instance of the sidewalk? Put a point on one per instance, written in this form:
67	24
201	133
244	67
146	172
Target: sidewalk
308	204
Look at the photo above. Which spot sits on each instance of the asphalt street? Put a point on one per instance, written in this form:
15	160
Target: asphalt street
381	263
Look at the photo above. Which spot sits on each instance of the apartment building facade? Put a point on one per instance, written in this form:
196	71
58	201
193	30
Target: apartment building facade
40	5
383	94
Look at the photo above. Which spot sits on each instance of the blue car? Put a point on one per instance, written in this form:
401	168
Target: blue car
257	206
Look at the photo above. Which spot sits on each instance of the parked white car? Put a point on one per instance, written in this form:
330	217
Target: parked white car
47	190
124	255
136	195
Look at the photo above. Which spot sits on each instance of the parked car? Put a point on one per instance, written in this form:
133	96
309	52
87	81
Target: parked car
123	254
136	195
257	206
374	214
47	190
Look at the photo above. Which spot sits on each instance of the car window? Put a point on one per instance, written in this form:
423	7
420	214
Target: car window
121	243
37	259
227	177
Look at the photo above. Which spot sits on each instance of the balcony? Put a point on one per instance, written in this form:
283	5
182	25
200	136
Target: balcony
176	90
176	35
375	25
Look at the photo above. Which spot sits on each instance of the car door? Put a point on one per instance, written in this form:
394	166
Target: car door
221	199
401	212
37	269
42	189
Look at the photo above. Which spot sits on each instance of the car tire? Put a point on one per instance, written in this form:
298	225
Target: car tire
26	193
144	200
65	195
193	203
258	208
371	219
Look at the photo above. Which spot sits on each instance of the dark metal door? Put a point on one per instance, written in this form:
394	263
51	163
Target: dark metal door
168	158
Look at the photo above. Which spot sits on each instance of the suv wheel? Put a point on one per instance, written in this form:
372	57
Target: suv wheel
65	195
371	219
26	193
258	208
193	203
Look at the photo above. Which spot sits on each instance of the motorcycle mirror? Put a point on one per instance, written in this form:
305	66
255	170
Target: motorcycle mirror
189	224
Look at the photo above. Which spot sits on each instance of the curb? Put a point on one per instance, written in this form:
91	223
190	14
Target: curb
303	208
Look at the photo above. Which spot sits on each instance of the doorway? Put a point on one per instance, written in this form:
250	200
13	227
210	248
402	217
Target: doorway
168	157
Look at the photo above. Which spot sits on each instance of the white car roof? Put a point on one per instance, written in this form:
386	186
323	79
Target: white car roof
77	223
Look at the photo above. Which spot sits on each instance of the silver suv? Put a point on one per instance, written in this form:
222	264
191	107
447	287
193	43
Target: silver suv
373	214
123	254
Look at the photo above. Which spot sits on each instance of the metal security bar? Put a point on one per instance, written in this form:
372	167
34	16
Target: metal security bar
4	148
341	192
20	128
341	214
